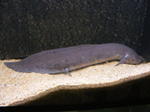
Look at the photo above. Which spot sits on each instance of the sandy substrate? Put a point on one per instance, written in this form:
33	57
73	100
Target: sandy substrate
17	88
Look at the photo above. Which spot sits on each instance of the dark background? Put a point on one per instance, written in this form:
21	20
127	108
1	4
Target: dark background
146	37
27	27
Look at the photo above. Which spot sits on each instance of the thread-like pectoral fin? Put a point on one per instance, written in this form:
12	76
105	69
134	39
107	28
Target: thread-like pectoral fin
122	61
67	71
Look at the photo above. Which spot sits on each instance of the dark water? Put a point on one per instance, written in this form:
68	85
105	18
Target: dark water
137	108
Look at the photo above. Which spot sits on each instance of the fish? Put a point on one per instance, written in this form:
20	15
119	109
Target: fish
64	60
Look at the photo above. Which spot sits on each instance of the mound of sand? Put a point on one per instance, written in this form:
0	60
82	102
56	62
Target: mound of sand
27	88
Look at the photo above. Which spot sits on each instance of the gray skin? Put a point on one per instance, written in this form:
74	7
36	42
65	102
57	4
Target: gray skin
63	60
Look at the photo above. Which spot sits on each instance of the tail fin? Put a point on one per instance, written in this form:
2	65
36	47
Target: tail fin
12	65
17	67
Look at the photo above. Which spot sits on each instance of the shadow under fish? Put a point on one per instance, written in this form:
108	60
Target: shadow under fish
64	60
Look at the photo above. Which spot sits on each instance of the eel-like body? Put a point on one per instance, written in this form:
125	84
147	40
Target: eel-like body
68	59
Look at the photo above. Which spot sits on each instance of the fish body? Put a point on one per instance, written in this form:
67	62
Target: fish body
68	59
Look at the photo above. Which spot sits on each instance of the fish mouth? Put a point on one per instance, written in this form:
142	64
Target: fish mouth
142	60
